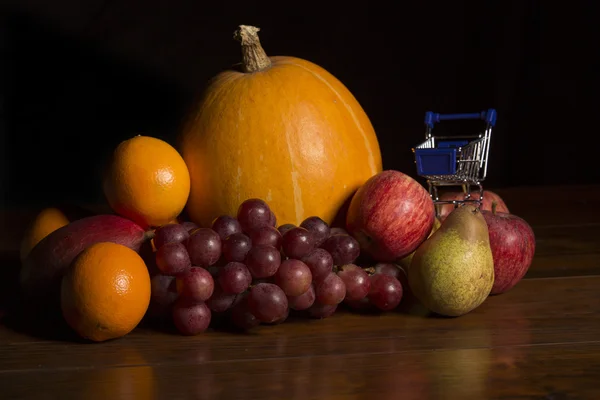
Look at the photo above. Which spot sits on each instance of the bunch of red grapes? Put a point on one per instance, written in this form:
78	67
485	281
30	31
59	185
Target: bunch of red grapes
253	272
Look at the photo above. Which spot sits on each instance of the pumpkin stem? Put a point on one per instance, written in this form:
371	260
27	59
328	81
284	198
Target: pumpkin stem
254	58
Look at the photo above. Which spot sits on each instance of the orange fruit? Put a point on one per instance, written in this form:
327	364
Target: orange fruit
106	292
147	181
47	221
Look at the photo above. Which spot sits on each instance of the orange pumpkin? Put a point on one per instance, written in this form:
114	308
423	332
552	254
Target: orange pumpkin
281	129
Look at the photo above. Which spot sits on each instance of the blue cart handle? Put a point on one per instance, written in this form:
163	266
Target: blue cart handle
488	116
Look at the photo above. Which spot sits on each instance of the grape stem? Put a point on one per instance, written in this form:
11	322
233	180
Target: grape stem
149	235
370	270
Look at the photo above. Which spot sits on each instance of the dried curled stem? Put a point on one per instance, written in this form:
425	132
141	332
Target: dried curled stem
254	58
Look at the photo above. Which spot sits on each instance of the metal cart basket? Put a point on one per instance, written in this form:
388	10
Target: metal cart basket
455	160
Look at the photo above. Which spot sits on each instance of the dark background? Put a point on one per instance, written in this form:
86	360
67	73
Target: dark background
78	77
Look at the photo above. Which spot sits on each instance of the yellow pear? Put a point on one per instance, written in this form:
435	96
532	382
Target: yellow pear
452	272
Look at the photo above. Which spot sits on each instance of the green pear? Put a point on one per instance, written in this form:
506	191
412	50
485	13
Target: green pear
405	262
452	272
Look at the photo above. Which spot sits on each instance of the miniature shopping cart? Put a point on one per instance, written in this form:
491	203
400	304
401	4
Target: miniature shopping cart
455	160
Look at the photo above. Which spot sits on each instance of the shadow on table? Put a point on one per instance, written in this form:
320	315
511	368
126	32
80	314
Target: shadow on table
15	314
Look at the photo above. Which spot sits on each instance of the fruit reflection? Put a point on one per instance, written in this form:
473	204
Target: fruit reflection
513	331
132	378
466	372
463	373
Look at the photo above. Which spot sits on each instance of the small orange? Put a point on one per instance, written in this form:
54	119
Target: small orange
46	222
106	292
147	181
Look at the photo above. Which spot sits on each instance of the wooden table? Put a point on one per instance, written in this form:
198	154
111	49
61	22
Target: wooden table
539	341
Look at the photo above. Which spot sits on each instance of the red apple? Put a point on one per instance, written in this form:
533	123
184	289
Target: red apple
513	245
488	198
390	215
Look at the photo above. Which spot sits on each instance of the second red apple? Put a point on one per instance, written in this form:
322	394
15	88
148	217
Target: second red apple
512	241
489	197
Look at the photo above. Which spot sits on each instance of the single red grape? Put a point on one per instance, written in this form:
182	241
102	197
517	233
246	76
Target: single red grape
263	261
267	302
173	259
318	228
190	318
331	290
234	277
170	233
343	248
236	247
356	280
253	214
293	277
196	285
320	263
226	226
297	243
204	246
385	292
